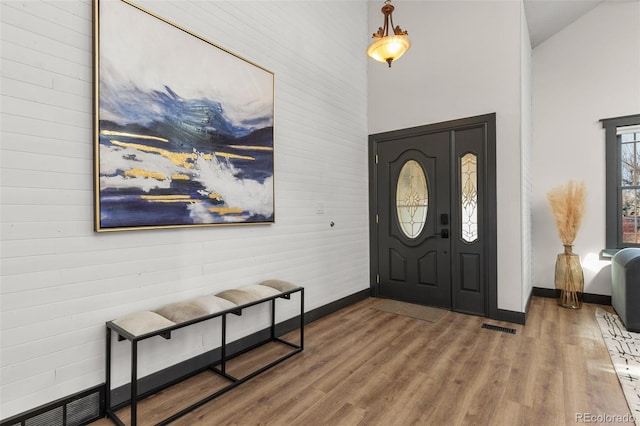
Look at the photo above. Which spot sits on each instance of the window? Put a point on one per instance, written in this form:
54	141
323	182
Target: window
623	181
630	183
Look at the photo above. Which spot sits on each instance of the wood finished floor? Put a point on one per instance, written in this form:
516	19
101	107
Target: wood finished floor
361	366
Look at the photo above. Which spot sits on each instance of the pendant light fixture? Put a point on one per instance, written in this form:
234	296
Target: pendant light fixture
387	48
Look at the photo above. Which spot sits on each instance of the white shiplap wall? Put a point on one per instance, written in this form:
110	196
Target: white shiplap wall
61	281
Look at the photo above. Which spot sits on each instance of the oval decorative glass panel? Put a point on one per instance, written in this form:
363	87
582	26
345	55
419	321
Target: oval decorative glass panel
412	199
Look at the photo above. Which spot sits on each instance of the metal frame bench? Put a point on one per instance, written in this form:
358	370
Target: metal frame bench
163	321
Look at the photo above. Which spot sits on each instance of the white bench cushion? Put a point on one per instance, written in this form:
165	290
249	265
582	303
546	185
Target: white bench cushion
144	322
280	285
238	297
213	304
261	291
182	311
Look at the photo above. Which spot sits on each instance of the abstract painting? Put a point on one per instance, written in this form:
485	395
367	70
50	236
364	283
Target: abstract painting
183	128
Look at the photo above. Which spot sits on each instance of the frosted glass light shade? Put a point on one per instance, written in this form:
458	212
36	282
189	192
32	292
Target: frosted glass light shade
389	48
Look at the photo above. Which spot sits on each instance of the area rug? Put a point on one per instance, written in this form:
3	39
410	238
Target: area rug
624	349
424	313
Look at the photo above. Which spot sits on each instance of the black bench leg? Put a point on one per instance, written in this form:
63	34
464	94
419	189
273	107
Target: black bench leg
107	372
273	319
302	319
223	346
134	382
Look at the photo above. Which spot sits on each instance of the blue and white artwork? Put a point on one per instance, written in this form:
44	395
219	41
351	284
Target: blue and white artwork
184	129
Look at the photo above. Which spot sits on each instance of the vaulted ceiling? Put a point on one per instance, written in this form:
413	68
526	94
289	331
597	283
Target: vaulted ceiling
547	17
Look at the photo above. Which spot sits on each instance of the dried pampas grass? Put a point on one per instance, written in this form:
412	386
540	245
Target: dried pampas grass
567	205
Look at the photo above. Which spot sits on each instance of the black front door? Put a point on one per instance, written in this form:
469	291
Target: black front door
433	215
413	241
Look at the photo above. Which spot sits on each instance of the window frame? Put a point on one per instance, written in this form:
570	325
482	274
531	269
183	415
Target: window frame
613	158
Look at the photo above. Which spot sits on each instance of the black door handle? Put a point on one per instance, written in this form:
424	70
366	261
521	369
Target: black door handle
444	233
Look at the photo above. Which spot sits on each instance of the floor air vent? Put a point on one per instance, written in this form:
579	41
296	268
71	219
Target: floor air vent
498	328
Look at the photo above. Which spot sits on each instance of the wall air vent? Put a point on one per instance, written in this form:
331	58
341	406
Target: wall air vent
76	410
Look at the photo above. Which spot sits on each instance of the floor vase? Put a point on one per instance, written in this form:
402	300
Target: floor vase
569	279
